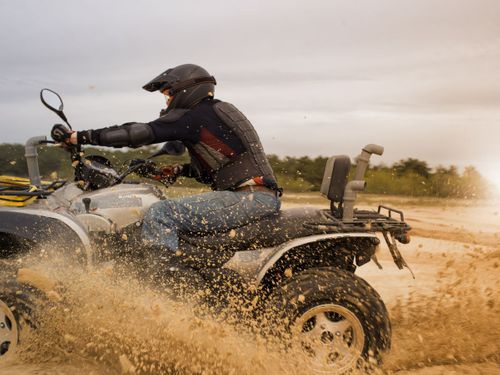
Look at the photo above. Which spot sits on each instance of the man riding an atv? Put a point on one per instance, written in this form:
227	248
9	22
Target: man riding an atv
225	153
291	271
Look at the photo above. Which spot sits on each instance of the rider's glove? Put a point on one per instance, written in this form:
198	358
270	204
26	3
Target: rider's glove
61	133
146	168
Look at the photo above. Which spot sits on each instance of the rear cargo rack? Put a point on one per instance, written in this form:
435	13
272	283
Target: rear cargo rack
364	221
391	210
386	220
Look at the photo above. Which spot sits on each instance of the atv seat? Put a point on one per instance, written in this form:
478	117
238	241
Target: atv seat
266	232
270	230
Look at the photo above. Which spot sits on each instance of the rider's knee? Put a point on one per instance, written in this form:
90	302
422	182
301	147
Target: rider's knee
158	210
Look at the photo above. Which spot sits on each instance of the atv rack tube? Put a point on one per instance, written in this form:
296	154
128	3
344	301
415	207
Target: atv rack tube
31	155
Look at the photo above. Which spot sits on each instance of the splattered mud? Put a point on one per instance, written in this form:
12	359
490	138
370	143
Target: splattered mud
114	325
445	321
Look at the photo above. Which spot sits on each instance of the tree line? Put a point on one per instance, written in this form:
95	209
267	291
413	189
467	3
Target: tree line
410	177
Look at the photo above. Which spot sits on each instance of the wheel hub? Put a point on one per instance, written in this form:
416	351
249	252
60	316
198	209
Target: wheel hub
332	336
8	330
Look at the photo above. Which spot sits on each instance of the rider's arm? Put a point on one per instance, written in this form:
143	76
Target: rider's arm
131	134
174	126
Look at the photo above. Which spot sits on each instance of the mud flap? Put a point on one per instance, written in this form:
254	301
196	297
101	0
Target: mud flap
396	255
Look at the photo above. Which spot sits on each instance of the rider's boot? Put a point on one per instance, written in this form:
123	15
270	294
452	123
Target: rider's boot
170	271
222	291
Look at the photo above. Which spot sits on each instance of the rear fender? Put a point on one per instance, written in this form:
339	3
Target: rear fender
339	250
41	227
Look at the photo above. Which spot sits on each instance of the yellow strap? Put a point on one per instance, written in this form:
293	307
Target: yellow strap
14	181
16	200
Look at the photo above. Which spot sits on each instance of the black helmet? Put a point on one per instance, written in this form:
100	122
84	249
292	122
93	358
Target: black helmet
187	83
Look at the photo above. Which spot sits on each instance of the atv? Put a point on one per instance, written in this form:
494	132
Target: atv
297	265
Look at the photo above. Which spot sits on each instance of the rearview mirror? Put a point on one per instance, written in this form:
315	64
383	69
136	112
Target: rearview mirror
53	101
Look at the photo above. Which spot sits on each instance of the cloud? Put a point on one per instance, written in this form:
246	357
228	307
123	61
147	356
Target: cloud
314	77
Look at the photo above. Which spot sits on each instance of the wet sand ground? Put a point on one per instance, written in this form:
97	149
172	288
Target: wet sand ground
445	321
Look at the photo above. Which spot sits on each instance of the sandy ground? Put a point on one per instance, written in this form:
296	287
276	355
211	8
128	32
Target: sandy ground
445	321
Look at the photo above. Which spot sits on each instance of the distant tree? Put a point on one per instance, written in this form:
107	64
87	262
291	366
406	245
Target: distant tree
472	184
411	165
12	160
450	172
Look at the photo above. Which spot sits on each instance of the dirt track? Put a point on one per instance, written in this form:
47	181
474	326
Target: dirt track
446	321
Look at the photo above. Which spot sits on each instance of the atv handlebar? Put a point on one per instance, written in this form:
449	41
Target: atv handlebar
139	163
93	171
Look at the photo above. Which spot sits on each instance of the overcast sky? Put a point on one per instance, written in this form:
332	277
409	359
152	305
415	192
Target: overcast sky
315	78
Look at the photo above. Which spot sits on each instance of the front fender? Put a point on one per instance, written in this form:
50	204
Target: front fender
42	226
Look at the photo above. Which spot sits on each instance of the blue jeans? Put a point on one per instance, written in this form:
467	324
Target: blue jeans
208	212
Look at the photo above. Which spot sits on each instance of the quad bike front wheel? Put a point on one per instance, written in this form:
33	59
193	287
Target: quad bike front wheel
9	329
334	317
17	311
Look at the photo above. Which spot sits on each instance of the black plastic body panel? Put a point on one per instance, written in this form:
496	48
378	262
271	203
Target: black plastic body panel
41	230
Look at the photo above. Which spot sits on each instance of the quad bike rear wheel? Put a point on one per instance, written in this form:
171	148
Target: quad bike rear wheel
336	318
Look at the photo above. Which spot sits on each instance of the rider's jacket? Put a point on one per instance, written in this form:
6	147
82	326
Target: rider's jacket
224	148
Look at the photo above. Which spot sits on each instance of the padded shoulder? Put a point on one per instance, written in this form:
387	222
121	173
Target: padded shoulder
229	111
174	115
